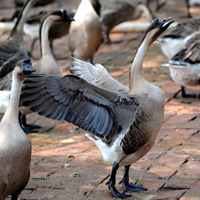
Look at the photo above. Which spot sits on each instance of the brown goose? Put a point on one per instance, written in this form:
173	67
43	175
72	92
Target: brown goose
123	126
15	148
85	32
47	64
185	65
123	11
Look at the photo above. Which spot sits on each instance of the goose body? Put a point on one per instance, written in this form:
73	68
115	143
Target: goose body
85	32
123	11
174	39
15	148
123	126
185	65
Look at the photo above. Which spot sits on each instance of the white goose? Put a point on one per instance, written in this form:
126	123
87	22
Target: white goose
123	126
15	148
185	65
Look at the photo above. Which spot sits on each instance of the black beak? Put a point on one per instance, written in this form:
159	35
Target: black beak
163	24
27	67
66	17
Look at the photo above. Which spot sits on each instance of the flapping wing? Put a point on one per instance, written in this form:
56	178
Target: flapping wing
96	75
99	111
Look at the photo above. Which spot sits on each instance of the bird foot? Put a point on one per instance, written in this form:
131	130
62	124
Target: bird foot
132	187
189	95
115	192
30	128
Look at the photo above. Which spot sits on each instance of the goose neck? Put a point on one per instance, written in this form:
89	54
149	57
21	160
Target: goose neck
136	68
12	111
44	38
22	17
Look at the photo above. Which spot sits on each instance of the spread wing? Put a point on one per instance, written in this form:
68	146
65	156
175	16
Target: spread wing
191	52
96	75
96	110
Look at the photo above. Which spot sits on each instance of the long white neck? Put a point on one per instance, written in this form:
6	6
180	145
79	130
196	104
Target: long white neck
12	111
142	8
136	68
44	41
22	16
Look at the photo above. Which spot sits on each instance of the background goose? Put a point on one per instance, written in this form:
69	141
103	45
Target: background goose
15	148
57	30
173	40
185	65
11	51
123	11
85	32
123	126
47	64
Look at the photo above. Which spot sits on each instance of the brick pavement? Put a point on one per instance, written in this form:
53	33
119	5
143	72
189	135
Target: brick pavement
66	165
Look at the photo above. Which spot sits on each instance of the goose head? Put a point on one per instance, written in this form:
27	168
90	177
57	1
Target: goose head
23	69
60	15
156	28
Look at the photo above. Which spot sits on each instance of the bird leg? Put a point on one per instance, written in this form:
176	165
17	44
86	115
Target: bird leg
27	128
112	181
184	95
188	9
14	197
125	182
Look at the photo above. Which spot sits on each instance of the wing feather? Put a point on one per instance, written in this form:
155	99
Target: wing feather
97	110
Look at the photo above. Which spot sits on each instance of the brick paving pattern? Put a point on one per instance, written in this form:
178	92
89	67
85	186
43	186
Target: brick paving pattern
67	165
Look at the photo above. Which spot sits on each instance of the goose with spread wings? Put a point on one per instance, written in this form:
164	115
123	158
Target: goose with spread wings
123	126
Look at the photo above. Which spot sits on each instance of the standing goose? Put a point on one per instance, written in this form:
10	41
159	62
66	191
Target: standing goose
85	32
15	148
47	64
123	11
11	51
185	65
173	40
123	126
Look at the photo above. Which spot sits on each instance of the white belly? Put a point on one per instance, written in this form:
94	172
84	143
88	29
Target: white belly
185	75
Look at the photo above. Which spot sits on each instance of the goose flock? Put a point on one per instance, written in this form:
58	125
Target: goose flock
122	121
